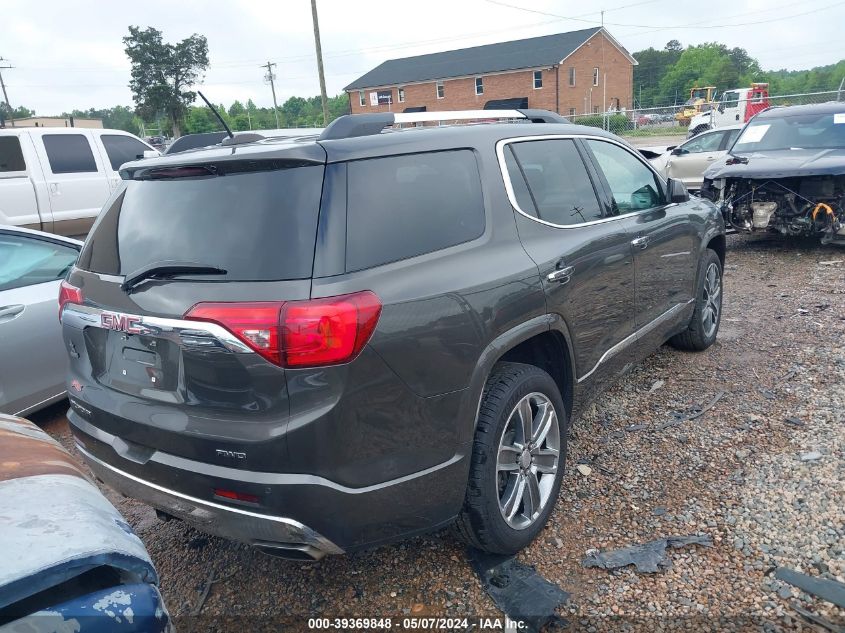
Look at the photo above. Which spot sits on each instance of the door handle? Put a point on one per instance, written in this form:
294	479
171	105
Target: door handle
7	313
641	242
561	276
54	188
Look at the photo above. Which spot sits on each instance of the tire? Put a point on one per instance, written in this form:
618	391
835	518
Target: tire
704	325
493	483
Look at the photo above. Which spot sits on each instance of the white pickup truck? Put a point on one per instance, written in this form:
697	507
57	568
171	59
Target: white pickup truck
57	179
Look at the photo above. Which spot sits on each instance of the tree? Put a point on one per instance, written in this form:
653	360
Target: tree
116	118
21	112
163	73
653	65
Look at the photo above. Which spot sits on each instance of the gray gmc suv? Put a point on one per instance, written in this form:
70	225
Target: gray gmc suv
322	344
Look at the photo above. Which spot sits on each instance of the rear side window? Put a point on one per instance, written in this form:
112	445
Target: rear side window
26	261
255	222
402	206
69	153
11	157
122	149
730	137
560	185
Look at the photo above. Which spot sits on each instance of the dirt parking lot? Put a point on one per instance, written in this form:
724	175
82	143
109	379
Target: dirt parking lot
762	472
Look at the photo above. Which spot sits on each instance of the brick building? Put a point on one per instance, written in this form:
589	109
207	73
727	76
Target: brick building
569	73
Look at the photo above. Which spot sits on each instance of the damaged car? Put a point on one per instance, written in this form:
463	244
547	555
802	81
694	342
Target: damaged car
785	174
69	562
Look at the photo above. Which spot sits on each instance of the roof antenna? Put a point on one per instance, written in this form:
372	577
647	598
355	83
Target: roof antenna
217	114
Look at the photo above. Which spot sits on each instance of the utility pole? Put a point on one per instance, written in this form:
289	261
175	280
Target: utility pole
5	95
320	62
270	77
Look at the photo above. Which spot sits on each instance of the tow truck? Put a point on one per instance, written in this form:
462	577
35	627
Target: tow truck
735	106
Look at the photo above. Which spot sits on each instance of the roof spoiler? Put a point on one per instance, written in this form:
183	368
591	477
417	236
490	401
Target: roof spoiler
352	125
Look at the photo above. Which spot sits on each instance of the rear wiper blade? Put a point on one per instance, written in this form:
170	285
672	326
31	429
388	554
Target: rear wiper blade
165	269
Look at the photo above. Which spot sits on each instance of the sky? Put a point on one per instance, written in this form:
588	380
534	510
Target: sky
66	58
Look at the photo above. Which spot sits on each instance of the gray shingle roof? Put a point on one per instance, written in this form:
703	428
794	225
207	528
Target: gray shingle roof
534	52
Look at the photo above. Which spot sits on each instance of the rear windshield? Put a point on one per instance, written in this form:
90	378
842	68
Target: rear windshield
257	225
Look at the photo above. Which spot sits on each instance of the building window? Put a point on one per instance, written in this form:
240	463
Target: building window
595	109
401	93
479	85
572	75
571	111
538	79
441	92
362	100
595	76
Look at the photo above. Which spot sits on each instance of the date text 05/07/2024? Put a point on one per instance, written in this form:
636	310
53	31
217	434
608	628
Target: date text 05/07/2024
417	623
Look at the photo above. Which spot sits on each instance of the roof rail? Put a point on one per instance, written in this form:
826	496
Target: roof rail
352	125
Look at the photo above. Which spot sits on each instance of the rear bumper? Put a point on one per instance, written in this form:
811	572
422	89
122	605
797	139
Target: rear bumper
213	518
299	515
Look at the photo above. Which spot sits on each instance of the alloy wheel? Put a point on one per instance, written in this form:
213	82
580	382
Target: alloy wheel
527	460
712	299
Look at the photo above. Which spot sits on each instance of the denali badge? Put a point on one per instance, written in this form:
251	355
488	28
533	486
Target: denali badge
121	322
230	454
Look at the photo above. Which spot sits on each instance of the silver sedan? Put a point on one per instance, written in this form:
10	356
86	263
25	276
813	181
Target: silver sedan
33	362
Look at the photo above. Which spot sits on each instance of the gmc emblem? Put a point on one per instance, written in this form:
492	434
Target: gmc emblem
121	322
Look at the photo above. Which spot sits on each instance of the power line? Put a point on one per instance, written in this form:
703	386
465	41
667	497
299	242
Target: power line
663	28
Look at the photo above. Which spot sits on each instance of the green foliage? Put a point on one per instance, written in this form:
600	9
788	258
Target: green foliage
163	73
665	77
653	65
116	118
615	122
21	112
295	112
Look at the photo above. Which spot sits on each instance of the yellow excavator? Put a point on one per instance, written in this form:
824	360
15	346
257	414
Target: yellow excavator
698	99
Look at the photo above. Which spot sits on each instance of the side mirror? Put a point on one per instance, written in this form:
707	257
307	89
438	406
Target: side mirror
677	191
722	106
679	151
150	153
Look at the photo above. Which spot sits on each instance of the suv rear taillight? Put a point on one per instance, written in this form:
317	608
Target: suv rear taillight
68	294
311	333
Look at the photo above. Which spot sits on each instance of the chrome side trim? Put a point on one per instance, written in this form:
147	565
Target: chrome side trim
195	334
261	477
625	342
500	154
318	541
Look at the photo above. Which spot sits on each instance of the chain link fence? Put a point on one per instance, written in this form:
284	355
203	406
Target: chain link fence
675	120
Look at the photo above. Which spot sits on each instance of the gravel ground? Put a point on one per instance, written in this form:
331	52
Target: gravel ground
762	472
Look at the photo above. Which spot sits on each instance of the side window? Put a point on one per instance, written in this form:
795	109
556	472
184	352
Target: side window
121	149
730	137
633	185
708	142
69	153
11	156
730	99
517	182
26	261
558	180
423	203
